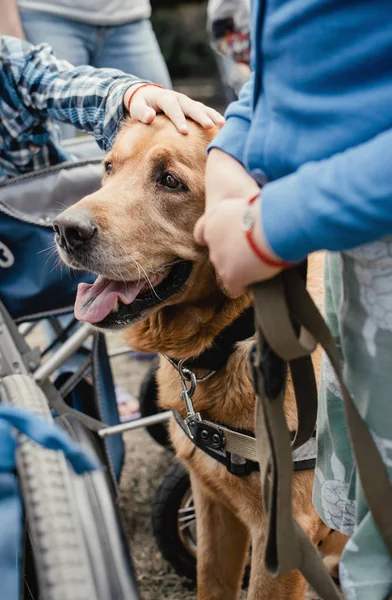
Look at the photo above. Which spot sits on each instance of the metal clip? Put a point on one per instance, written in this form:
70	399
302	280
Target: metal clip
187	377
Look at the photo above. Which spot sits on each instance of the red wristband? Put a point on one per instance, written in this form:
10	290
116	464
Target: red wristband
139	88
248	223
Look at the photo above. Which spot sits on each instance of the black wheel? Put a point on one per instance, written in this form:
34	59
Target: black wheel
148	401
174	521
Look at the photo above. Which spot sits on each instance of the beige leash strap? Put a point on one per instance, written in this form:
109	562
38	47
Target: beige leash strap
288	320
287	546
239	443
246	447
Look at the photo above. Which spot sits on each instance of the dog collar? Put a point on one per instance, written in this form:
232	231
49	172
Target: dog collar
223	345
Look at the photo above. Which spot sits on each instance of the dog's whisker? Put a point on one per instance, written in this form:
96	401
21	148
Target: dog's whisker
51	250
57	264
52	257
142	273
147	278
123	264
63	206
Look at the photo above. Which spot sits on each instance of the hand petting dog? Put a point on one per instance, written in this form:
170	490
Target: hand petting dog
144	101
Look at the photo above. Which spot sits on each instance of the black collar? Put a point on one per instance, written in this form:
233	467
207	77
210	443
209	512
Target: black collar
217	355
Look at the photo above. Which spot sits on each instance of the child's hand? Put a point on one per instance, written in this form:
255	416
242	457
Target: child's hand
235	262
149	100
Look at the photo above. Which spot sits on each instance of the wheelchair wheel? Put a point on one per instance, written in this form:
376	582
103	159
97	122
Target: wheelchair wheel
174	521
75	538
148	400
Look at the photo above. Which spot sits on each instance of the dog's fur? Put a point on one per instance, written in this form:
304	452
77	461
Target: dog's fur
142	225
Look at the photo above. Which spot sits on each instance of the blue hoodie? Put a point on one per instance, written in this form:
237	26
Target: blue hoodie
315	120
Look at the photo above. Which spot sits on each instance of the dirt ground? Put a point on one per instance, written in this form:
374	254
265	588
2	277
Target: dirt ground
145	464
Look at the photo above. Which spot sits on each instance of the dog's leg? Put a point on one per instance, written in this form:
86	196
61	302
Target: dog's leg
264	587
293	585
222	547
331	548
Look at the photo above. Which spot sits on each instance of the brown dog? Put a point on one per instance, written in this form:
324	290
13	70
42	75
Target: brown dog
136	233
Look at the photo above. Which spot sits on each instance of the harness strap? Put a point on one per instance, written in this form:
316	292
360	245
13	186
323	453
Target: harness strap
238	452
239	443
290	324
246	446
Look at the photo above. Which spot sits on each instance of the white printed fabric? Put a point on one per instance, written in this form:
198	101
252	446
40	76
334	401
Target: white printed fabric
359	312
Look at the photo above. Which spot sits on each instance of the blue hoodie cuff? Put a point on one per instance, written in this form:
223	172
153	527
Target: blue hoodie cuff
46	433
232	138
283	220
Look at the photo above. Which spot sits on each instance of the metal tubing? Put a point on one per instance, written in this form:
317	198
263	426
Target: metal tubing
143	422
62	354
119	351
26	328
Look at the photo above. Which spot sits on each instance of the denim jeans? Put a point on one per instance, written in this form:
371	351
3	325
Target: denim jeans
131	47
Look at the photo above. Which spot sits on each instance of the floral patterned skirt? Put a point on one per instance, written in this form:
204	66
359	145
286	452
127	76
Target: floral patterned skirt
358	304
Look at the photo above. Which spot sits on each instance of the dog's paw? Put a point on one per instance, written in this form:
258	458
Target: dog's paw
332	564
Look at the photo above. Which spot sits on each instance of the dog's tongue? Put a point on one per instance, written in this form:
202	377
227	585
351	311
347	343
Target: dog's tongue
95	301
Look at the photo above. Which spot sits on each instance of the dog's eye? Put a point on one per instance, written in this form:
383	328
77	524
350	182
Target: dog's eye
108	167
168	180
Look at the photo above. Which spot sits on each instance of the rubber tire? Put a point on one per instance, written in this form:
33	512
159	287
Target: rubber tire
148	402
173	487
66	563
98	492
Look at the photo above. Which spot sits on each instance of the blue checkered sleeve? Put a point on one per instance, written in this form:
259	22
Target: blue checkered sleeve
36	86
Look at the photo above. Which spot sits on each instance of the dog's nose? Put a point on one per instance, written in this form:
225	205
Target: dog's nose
73	230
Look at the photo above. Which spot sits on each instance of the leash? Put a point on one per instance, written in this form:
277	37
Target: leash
289	326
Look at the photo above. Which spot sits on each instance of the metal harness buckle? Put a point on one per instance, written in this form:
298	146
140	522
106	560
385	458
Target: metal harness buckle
187	377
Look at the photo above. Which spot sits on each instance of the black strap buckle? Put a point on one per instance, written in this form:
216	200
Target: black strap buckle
237	465
208	436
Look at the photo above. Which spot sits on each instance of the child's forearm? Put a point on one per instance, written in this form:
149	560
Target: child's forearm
334	204
10	23
88	98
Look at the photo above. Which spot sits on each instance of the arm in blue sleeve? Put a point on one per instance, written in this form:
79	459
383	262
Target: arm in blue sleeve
335	204
233	135
89	98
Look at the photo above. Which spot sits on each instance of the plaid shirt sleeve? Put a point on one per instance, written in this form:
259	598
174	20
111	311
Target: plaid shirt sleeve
89	98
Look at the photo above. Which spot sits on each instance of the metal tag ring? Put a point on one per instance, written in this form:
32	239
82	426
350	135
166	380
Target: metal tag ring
188	376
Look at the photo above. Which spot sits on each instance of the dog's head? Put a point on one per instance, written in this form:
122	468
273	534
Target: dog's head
136	232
